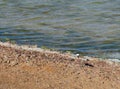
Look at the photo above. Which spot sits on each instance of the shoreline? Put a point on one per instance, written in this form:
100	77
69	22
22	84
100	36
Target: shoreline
35	48
23	67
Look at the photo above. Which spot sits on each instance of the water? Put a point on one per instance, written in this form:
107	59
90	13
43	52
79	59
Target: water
88	27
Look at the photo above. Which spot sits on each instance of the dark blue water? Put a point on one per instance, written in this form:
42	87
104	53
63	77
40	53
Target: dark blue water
88	27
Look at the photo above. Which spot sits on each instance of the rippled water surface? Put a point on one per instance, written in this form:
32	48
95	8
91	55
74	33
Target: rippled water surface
88	27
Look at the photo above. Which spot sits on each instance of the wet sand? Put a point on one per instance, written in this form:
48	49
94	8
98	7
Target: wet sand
34	68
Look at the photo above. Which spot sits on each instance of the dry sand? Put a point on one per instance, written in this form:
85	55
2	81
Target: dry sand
24	68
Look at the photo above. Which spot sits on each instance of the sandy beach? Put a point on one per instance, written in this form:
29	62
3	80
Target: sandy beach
34	68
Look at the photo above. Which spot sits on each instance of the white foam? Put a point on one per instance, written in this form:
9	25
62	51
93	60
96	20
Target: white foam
25	47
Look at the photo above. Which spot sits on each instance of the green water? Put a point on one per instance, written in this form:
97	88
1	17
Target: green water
88	27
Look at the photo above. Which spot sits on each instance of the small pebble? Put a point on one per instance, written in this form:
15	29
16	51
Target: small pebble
78	55
13	63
